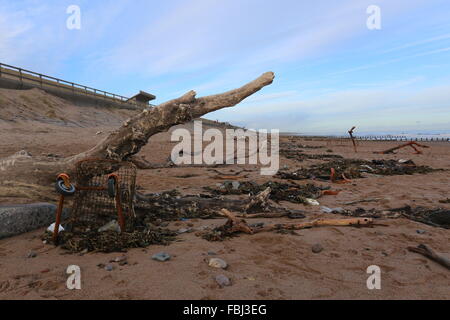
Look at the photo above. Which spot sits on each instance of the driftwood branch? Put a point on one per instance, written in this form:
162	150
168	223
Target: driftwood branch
128	140
411	144
431	254
350	132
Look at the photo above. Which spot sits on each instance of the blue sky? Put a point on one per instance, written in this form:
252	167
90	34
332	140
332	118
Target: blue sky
332	72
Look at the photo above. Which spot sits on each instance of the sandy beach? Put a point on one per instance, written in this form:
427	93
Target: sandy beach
267	265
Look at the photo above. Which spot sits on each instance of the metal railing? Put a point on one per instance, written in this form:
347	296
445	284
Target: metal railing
42	79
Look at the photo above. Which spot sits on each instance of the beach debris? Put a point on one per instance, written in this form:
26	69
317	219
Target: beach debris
312	202
317	248
109	267
51	228
112	241
161	256
355	222
222	280
184	230
110	226
350	132
438	217
121	260
333	177
411	144
331	210
217	263
259	202
234	226
363	200
345	169
278	191
31	254
426	251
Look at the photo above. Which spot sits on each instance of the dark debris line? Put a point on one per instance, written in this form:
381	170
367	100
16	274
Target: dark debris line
355	168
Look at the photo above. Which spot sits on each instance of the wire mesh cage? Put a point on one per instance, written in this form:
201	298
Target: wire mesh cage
93	204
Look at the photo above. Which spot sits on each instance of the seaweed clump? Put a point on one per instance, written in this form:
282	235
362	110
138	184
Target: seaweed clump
356	168
437	217
279	191
112	241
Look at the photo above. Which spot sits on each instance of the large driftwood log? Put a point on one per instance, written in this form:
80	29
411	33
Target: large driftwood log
128	140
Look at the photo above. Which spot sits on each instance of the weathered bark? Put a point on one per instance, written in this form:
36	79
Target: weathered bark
128	140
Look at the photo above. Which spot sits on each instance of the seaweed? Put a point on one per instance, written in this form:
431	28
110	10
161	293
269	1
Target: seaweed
112	241
355	168
279	191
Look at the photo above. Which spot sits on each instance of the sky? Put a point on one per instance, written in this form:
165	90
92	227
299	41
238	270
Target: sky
331	71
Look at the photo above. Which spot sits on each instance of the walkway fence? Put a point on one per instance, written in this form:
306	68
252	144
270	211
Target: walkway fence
377	138
42	81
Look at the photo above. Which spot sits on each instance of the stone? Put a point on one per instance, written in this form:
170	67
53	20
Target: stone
217	263
31	254
120	258
316	248
235	185
312	202
109	267
17	219
222	280
184	230
421	231
211	253
161	256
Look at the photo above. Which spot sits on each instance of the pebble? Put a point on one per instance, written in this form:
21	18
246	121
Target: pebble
31	254
211	253
109	267
316	248
312	202
217	263
161	256
421	231
121	260
223	280
184	230
332	210
235	185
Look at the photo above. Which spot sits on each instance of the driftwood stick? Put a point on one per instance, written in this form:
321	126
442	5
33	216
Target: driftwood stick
327	222
236	224
239	225
350	132
431	254
412	144
260	201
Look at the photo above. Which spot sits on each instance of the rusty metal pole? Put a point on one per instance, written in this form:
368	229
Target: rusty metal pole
119	205
58	218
